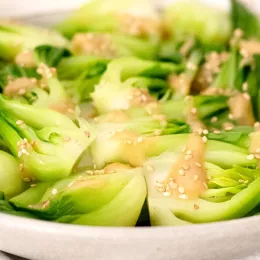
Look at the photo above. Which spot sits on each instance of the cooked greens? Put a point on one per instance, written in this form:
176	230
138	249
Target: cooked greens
130	116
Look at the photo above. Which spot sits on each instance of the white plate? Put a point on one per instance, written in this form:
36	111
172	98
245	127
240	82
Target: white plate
35	239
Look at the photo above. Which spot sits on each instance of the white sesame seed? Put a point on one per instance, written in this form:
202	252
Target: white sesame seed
70	110
245	86
184	149
257	150
246	96
33	185
19	122
54	191
217	132
189	152
181	190
181	172
166	193
209	177
241	181
129	142
157	132
89	172
70	184
139	139
186	167
257	124
66	139
159	184
257	156
230	116
26	179
246	181
187	157
195	177
198	164
149	168
204	139
194	110
183	196
205	131
250	157
205	185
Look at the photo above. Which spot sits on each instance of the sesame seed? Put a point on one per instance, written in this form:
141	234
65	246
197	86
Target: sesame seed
184	149
183	196
205	131
46	204
181	172
209	177
187	157
186	167
241	181
129	142
70	184
188	152
217	132
245	86
246	181
70	110
200	130
205	185
246	96
204	139
19	122
198	164
149	168
33	185
257	150
257	156
54	191
230	116
30	206
67	139
159	184
89	172
181	190
196	207
257	124
166	193
250	157
214	119
26	179
195	177
139	139
157	132
194	110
